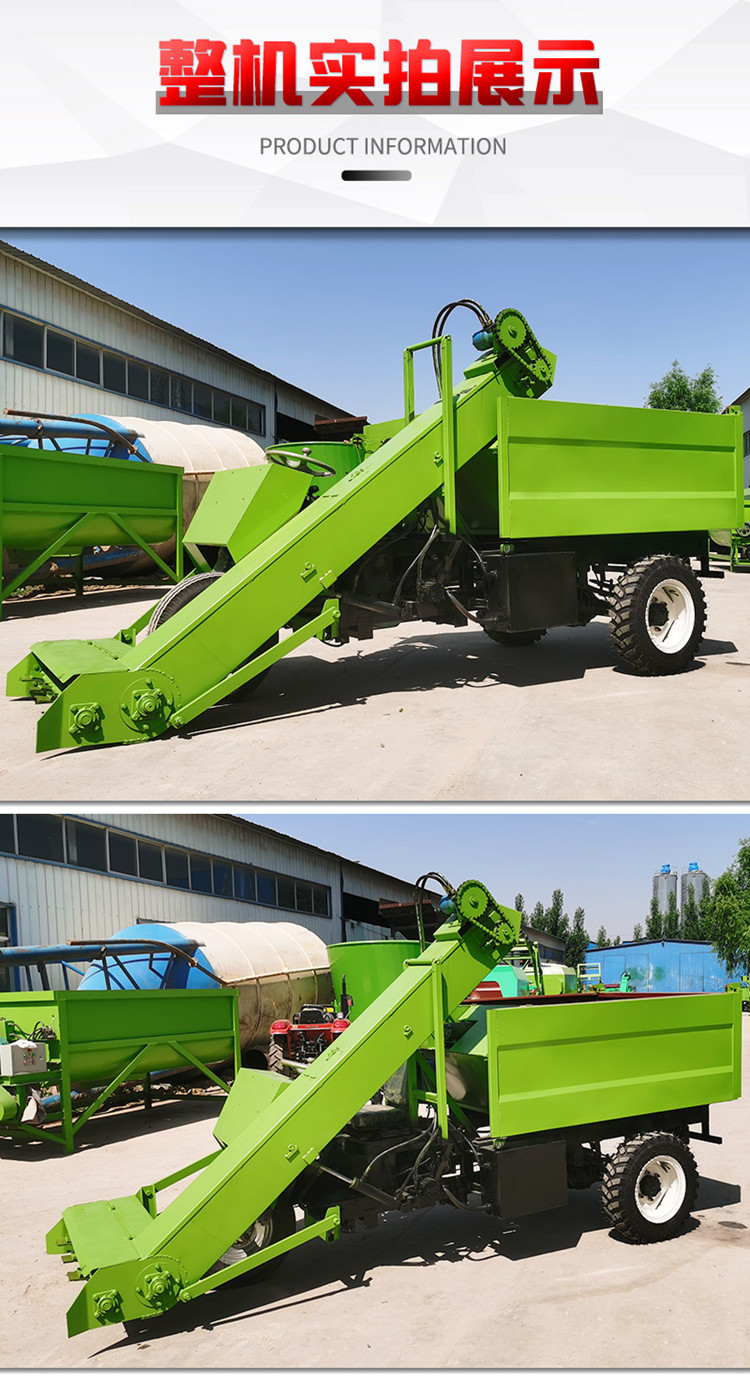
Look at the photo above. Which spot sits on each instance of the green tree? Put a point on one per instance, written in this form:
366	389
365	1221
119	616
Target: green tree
602	938
704	912
637	932
730	913
691	920
555	920
678	393
654	920
520	905
616	942
671	919
537	916
578	940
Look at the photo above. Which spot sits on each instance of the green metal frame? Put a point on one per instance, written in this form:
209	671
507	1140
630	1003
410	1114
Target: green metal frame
77	519
69	1009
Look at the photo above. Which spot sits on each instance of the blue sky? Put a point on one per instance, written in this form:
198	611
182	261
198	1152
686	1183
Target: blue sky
332	310
603	861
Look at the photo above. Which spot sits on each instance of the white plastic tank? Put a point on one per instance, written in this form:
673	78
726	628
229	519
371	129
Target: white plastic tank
277	967
199	450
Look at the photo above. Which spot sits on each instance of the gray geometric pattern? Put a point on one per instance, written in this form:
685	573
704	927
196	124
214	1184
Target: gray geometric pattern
83	145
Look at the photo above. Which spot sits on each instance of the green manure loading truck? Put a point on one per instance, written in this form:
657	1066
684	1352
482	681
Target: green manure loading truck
495	507
426	1099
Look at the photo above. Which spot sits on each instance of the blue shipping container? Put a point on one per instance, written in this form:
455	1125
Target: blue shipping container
669	965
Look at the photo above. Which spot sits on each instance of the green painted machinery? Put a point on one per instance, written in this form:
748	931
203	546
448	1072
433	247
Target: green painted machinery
94	1043
425	1099
494	506
53	503
741	985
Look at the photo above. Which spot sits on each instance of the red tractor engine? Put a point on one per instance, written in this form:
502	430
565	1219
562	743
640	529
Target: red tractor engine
300	1040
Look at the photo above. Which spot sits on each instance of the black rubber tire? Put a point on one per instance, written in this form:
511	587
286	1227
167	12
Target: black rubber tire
629	614
188	589
275	1056
624	1174
517	639
279	1221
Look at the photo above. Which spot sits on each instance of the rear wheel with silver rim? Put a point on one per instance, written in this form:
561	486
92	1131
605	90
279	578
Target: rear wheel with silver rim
649	1187
658	613
273	1225
182	594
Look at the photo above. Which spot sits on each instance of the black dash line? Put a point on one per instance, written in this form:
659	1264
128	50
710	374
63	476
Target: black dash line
376	175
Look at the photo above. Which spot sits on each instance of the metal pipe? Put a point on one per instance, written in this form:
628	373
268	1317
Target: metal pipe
90	950
120	437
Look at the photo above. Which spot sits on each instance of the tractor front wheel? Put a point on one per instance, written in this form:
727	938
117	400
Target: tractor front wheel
658	614
649	1187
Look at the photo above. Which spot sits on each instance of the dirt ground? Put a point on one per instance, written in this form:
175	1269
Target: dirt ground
418	713
439	1288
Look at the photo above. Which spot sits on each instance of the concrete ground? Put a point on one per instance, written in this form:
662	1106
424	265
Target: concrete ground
418	713
439	1288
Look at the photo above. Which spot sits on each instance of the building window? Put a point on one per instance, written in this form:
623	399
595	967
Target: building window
24	340
87	845
200	873
222	409
87	363
285	893
41	346
60	352
746	443
41	837
202	401
222	878
304	897
182	394
159	388
266	887
7	834
138	381
149	862
177	870
115	372
239	414
321	900
244	884
123	855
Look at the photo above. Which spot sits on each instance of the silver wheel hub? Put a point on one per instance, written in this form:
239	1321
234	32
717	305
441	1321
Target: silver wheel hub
661	1188
670	616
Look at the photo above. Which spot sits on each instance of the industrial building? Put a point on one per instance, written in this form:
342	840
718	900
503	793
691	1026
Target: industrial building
669	965
70	347
70	876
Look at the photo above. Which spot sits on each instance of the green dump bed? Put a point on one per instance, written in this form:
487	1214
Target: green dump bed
576	469
548	1064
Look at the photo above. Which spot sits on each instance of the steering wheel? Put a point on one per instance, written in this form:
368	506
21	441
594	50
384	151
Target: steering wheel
290	460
